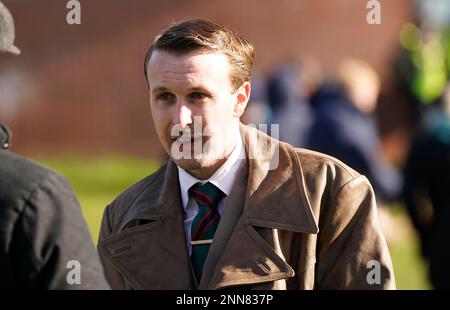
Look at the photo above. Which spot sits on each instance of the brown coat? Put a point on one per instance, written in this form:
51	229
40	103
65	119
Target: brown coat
309	223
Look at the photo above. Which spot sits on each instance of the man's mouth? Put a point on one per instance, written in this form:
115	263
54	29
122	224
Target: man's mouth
189	140
192	143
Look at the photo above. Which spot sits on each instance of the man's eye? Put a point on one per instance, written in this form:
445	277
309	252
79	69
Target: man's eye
165	97
197	95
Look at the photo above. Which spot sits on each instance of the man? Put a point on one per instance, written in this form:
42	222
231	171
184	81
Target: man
232	206
427	181
44	241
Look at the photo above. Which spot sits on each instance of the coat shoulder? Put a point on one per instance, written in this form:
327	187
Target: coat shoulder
324	174
315	162
21	177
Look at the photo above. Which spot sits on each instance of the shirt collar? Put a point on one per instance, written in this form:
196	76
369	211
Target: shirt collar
223	178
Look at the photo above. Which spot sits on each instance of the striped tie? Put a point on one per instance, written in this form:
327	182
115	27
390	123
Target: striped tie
205	222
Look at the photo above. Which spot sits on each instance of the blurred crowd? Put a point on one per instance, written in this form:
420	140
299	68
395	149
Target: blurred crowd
335	115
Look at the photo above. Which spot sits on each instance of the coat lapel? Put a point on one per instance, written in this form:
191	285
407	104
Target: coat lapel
272	199
150	249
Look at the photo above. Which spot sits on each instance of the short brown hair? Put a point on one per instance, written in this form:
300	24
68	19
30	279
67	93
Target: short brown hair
203	35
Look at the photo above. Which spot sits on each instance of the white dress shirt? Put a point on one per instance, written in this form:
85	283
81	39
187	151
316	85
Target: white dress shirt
223	178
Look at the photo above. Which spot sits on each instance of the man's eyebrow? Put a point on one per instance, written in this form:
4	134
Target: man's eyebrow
199	89
159	89
192	89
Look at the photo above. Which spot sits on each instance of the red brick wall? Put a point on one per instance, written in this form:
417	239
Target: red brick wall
85	90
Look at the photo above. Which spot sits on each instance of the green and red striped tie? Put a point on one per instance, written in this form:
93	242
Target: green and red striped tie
205	222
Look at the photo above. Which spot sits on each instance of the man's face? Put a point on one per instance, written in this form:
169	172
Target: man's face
195	109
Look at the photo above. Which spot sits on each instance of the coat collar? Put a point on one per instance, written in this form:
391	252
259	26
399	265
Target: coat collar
273	167
276	189
270	195
273	198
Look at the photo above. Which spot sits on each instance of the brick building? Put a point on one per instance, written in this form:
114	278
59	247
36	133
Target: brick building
80	88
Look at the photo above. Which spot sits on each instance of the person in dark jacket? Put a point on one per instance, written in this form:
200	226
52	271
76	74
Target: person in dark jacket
426	191
343	127
288	104
44	241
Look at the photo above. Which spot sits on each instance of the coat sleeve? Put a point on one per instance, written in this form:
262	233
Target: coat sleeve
53	242
352	252
114	278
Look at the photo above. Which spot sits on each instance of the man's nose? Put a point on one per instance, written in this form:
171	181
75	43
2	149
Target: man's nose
184	115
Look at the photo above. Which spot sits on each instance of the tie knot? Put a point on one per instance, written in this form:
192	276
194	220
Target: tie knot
206	194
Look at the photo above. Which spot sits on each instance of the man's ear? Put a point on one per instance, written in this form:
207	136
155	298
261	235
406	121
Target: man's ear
242	97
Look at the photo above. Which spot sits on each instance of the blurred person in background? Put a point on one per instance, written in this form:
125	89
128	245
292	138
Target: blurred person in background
258	110
288	104
43	236
344	127
422	66
427	189
245	210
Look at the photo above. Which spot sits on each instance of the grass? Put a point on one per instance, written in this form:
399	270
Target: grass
97	181
409	266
